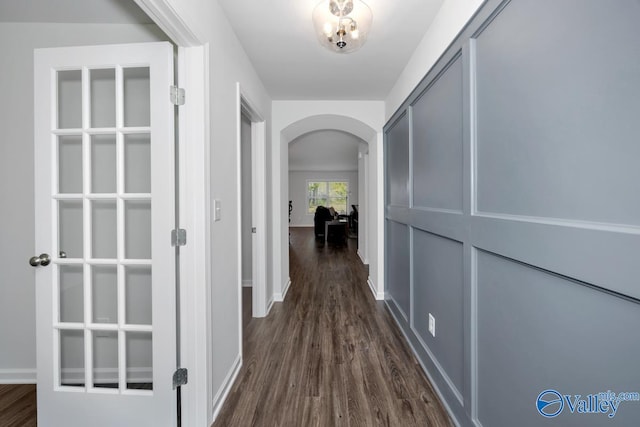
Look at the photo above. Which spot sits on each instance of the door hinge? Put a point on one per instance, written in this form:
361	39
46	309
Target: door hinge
178	237
176	95
180	377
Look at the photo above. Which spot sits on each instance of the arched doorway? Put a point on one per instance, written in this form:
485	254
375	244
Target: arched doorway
351	121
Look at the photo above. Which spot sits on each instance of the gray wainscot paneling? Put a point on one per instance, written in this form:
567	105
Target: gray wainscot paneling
438	290
398	266
557	99
539	331
437	143
398	163
520	227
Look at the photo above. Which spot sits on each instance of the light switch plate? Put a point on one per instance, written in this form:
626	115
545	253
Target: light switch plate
217	210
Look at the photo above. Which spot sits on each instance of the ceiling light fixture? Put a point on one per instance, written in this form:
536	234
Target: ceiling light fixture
342	25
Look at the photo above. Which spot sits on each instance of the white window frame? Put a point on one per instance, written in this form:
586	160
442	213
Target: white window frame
307	198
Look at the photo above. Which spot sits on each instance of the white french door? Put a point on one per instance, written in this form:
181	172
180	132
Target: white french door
105	279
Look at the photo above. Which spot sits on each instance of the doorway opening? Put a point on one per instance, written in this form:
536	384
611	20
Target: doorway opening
252	223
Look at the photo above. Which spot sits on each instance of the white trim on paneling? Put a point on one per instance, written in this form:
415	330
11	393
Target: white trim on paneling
17	376
573	223
225	388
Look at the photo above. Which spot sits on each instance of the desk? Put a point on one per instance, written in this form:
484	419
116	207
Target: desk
342	223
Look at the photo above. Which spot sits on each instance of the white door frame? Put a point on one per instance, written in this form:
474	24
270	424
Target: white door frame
260	304
194	174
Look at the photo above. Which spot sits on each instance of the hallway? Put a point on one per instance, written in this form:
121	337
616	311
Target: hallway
329	355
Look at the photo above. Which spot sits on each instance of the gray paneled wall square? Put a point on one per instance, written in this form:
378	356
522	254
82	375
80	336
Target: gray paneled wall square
539	331
519	229
438	289
557	100
437	143
398	274
398	163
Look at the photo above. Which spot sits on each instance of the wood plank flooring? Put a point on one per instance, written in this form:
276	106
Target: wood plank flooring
17	405
329	355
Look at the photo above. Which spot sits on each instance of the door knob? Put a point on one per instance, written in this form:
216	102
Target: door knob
43	260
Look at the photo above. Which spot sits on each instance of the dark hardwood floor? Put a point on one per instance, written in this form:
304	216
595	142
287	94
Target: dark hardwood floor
17	405
329	355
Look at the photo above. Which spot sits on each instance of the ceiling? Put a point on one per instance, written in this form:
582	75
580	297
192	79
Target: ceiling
279	38
324	150
73	11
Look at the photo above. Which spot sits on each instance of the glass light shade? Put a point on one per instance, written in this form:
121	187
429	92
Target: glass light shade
346	33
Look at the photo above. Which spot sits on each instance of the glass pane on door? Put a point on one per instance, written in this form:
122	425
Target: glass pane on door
137	111
137	163
104	282
105	359
70	164
71	358
103	164
139	361
70	229
69	99
138	295
103	97
71	294
104	229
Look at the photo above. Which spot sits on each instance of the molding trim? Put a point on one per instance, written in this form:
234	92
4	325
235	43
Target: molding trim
378	295
269	305
18	376
279	297
247	283
225	388
169	20
362	258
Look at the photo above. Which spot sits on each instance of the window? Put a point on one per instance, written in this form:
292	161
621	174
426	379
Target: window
328	194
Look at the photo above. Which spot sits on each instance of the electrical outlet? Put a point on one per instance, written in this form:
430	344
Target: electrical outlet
432	324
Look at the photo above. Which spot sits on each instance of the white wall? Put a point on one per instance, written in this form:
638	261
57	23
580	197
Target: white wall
366	119
17	298
228	65
245	149
450	20
298	192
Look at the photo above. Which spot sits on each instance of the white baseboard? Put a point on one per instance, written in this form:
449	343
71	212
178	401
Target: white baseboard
362	258
279	296
225	388
18	376
379	295
269	305
247	283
